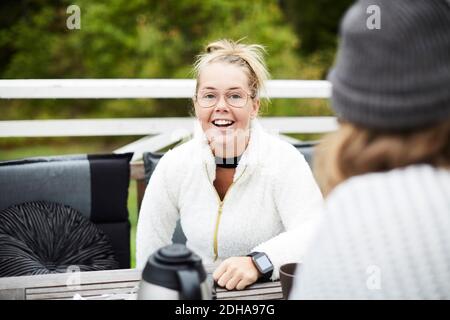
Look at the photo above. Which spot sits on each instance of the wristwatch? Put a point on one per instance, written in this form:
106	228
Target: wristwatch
262	263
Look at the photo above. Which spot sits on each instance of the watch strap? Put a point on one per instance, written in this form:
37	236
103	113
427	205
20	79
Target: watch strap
264	276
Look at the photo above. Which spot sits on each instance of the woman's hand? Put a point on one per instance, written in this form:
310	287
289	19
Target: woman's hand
236	273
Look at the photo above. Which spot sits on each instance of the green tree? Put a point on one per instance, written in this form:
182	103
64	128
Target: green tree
316	22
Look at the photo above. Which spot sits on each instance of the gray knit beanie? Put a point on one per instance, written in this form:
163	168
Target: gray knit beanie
396	77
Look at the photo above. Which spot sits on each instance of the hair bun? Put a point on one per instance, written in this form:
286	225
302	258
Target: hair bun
214	47
221	45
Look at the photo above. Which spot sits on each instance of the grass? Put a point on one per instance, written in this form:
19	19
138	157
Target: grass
77	148
132	217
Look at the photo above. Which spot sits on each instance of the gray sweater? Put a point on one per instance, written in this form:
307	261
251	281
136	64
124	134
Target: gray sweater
383	236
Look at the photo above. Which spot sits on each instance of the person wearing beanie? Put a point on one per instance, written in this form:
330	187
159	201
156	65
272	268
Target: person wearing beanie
385	232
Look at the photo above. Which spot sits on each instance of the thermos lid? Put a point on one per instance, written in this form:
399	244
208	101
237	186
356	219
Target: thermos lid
162	266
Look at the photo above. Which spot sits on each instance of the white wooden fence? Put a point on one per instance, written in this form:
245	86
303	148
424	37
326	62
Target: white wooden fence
163	131
149	88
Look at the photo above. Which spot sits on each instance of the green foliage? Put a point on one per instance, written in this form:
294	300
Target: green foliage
315	21
140	39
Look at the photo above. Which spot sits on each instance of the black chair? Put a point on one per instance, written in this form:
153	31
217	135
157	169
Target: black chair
151	160
95	186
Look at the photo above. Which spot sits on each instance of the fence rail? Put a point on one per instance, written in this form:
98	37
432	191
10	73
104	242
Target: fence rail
140	88
150	126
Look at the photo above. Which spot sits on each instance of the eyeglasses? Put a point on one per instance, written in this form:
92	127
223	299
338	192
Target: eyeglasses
234	98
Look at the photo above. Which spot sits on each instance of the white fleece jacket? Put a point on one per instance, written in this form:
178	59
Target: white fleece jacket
272	206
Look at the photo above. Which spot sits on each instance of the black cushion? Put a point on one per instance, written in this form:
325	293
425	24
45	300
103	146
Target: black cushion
110	178
43	237
119	237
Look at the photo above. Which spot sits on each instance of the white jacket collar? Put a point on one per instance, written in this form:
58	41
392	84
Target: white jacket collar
249	160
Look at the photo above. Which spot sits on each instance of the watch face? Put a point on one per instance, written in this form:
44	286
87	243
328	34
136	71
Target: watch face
264	263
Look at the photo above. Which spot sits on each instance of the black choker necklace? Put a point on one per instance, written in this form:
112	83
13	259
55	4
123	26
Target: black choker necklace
229	163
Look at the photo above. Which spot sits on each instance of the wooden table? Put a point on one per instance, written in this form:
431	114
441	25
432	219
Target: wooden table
109	285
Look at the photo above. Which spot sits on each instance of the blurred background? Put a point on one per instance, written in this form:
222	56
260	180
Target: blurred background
152	39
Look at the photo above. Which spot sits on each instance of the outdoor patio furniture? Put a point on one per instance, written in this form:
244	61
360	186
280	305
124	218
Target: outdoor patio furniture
94	185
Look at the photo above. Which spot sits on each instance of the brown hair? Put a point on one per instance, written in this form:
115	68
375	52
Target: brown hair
354	150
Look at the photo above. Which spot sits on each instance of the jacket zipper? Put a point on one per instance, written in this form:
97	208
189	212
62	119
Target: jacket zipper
219	214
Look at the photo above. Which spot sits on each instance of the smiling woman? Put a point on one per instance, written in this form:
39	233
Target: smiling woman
237	73
225	118
241	194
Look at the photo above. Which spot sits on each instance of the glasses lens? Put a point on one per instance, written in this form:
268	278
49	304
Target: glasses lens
207	99
236	99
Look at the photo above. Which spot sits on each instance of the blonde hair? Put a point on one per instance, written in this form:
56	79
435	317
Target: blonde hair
353	151
249	57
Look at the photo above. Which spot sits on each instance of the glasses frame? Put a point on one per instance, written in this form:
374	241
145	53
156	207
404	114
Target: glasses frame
225	96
